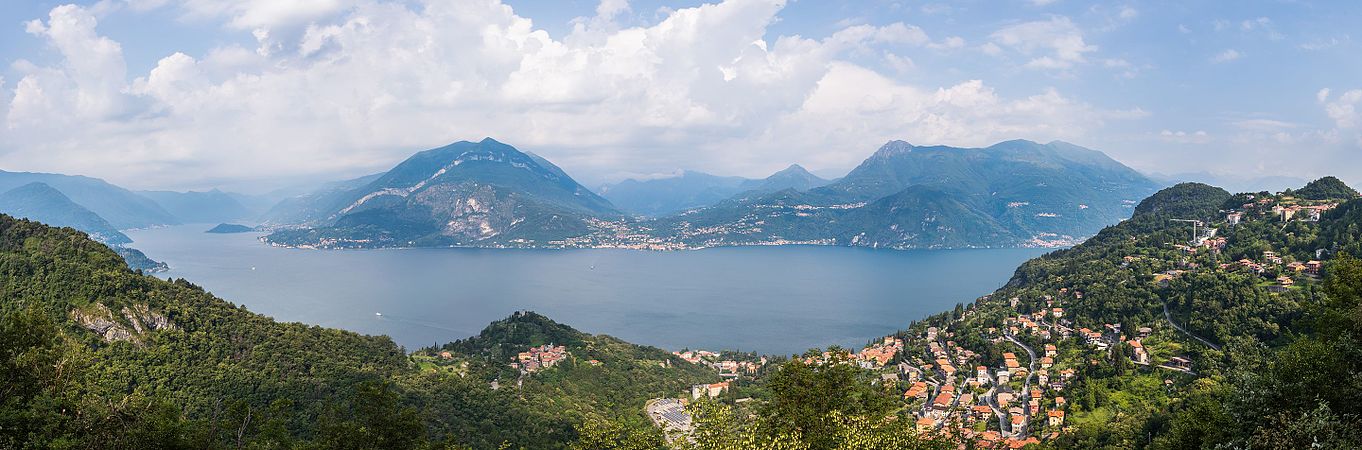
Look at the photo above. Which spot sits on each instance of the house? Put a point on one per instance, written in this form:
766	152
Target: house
446	355
708	390
1234	218
926	424
981	372
1047	362
1313	267
1018	422
916	391
943	401
1180	363
1271	257
1141	356
1145	332
1003	376
1055	417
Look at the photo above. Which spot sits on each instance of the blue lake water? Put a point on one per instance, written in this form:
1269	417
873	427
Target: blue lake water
774	300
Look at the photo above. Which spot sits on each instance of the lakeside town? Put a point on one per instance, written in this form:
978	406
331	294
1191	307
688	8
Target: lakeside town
1009	386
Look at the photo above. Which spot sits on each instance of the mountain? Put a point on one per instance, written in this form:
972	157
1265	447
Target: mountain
793	177
1231	182
1326	188
121	207
1014	193
200	207
663	196
40	202
310	208
467	193
227	228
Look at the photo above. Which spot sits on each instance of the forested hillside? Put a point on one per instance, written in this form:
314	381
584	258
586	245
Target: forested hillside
95	355
1207	320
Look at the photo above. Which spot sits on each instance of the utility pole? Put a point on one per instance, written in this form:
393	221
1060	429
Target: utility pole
1195	224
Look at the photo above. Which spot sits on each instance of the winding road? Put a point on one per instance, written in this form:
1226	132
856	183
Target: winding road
1184	330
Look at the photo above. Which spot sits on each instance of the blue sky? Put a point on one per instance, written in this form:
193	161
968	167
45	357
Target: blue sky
249	94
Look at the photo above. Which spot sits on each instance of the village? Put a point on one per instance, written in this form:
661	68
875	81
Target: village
1007	384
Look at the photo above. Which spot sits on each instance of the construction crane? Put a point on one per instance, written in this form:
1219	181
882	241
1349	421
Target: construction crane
1195	224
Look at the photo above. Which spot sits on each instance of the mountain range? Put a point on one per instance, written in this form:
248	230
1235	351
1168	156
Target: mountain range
669	195
40	202
201	206
1014	193
120	207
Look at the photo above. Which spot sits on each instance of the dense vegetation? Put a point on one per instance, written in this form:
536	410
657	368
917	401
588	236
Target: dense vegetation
220	376
1276	366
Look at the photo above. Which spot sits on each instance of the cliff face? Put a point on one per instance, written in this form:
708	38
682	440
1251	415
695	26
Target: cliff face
137	321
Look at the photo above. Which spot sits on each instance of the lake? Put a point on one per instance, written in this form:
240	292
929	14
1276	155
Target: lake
773	300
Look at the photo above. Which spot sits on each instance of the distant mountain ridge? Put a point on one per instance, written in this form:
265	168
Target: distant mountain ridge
1012	194
465	193
39	202
669	195
200	207
120	207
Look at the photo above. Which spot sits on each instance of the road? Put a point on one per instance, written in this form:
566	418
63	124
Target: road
1184	331
1026	387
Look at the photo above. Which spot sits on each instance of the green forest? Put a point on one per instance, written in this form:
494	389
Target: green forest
94	355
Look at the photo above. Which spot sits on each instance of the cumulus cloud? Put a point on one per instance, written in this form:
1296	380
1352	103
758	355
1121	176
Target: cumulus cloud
1052	44
363	84
1226	56
1344	109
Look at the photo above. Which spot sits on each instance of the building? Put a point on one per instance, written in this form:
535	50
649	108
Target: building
1141	356
1055	418
708	390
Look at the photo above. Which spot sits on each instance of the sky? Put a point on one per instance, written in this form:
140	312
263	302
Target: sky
251	95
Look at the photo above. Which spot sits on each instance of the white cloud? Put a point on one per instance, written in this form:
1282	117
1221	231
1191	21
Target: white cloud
1226	56
949	43
1185	137
611	8
1053	44
1344	110
86	85
362	87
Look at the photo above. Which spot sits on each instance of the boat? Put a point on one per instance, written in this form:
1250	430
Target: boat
378	314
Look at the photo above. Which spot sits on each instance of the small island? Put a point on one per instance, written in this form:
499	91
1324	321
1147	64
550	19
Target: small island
224	228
